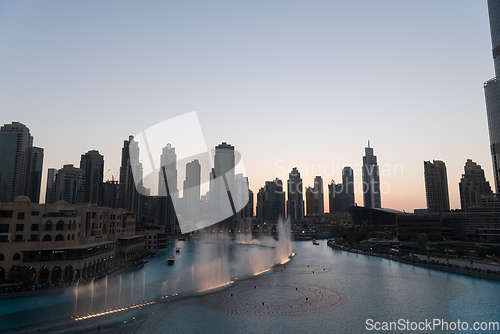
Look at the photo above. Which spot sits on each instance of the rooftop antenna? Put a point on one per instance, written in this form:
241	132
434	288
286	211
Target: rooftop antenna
368	143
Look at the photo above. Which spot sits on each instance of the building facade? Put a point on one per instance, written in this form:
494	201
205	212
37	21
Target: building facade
63	242
492	91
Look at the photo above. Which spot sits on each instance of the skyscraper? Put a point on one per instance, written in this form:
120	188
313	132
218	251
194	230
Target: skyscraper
371	180
243	197
166	211
472	185
128	196
92	164
224	162
271	201
492	91
191	191
436	186
50	190
18	175
35	174
335	197
347	188
315	203
319	198
295	203
69	184
310	202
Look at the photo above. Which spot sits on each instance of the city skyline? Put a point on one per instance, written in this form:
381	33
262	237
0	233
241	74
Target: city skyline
319	103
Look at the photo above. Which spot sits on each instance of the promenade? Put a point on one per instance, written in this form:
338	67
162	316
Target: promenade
456	265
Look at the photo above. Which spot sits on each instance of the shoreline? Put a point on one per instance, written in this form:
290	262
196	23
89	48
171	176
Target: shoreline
414	260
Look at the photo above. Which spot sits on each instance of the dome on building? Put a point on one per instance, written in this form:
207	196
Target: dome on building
22	199
61	202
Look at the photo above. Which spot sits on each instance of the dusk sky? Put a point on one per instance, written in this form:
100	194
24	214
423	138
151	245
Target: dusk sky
288	83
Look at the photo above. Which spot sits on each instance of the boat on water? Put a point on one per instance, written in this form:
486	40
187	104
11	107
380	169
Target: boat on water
171	259
315	242
177	249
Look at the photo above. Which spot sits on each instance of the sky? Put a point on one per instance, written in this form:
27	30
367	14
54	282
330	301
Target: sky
288	83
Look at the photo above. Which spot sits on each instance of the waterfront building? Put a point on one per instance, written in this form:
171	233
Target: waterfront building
20	165
473	185
436	186
492	91
371	180
69	184
295	202
62	242
92	164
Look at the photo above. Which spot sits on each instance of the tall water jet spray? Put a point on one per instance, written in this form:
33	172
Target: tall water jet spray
284	243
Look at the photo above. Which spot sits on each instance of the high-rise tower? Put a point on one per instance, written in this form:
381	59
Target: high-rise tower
20	163
166	211
295	202
436	186
371	180
128	196
472	185
492	91
191	191
92	164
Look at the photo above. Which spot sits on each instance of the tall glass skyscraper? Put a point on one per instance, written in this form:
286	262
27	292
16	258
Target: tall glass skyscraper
492	91
20	163
371	180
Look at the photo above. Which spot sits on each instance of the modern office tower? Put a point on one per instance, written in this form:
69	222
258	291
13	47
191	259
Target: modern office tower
371	180
224	162
110	194
436	186
248	210
347	188
260	207
271	201
191	191
295	203
335	192
18	175
35	174
310	202
69	184
50	190
492	91
472	185
92	164
128	196
243	197
166	211
319	199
